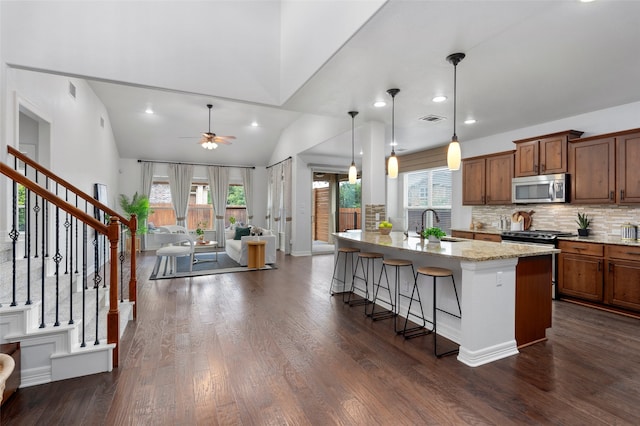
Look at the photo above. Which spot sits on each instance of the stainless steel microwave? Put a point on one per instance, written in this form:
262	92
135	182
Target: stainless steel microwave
540	189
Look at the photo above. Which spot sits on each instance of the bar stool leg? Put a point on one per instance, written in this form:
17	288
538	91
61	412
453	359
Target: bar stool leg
377	316
344	274
419	330
365	277
435	308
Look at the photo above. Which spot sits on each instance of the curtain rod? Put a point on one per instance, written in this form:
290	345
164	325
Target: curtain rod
195	164
275	164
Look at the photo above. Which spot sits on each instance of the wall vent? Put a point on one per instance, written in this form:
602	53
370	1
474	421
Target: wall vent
432	118
72	90
102	122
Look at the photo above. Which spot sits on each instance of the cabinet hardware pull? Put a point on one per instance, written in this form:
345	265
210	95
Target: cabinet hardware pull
577	248
610	267
543	168
599	265
634	253
611	195
622	194
535	168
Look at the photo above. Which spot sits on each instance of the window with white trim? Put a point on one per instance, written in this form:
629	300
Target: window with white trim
428	189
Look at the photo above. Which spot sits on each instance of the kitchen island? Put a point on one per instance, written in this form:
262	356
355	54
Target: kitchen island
485	276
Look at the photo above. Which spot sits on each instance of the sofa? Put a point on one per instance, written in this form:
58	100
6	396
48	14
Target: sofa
237	249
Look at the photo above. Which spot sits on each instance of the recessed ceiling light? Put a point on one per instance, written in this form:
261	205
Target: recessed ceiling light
254	124
470	121
586	1
379	104
148	110
440	98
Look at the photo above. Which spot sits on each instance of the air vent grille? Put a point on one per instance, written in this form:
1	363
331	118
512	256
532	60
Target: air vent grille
432	118
72	90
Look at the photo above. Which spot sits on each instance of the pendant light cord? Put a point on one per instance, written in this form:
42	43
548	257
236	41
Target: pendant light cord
393	124
352	120
455	98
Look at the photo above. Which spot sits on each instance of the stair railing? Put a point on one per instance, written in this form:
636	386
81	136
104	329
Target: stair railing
50	194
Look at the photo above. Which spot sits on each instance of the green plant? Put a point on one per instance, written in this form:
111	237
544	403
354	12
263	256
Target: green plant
435	231
200	228
138	205
232	220
583	221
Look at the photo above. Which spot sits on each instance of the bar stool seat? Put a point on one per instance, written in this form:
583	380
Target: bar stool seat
389	313
344	251
366	260
436	272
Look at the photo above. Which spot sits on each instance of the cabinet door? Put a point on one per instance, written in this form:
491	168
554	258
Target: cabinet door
462	234
553	155
581	277
499	172
487	237
592	166
473	177
526	159
623	284
628	179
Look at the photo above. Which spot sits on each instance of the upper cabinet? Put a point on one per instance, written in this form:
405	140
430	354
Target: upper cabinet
487	179
543	155
602	168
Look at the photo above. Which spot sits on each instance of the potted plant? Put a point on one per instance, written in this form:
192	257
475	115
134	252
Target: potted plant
232	221
200	230
433	234
138	205
583	222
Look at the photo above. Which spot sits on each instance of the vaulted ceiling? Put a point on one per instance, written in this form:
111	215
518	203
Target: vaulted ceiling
273	62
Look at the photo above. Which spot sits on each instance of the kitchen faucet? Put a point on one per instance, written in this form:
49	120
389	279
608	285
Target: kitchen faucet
424	214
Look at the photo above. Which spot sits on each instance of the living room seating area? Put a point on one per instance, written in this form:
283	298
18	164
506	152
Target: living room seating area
236	243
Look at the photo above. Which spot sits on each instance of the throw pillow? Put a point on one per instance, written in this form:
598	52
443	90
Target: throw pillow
242	232
229	234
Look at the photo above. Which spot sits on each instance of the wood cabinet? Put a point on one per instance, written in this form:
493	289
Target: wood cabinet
604	168
483	236
580	270
628	173
533	299
607	275
487	179
543	154
622	286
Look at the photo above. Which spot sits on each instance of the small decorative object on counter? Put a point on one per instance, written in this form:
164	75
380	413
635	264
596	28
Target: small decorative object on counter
583	222
629	232
385	227
200	231
433	234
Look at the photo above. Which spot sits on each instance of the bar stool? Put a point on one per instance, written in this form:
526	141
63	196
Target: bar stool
418	330
435	272
365	259
344	251
397	264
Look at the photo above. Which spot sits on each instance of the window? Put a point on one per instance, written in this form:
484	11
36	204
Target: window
428	189
200	209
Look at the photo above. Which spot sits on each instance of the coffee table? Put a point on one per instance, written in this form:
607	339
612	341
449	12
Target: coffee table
205	247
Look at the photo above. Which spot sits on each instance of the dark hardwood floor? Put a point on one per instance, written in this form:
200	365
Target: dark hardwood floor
272	347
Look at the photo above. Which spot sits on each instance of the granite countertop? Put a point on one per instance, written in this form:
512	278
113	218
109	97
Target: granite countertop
457	248
603	239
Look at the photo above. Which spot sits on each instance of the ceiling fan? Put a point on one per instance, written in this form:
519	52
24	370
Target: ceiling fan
210	140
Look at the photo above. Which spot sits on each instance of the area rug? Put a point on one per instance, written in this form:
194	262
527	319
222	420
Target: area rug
205	264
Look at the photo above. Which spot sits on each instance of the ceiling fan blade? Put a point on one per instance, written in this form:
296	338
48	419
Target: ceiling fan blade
221	141
226	137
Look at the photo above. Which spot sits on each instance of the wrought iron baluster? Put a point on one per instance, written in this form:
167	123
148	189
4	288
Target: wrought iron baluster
45	232
84	280
26	209
36	210
76	269
96	279
43	258
70	254
57	258
122	257
67	225
14	235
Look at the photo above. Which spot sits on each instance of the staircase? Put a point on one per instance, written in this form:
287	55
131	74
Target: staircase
63	299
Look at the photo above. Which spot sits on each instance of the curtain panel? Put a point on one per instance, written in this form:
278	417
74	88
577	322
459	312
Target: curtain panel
247	181
219	184
180	176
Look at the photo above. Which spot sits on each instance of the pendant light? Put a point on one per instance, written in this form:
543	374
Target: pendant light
353	172
454	156
392	166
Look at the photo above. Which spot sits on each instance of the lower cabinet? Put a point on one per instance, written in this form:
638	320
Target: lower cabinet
607	275
483	236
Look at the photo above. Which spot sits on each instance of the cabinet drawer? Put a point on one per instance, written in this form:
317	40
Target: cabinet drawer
488	237
623	252
462	234
578	247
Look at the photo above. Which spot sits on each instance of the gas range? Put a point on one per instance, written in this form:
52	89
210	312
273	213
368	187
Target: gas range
537	236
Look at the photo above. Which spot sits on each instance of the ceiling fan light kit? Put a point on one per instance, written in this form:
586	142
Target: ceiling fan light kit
211	140
454	154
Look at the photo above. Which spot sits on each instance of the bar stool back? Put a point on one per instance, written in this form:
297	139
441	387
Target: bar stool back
366	260
389	313
344	251
435	272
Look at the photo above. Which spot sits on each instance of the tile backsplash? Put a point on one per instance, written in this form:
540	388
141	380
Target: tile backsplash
605	220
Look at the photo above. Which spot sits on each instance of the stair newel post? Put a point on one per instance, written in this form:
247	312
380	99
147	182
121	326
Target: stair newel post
133	284
113	317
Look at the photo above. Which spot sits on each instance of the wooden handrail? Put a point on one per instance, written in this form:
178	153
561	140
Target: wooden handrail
20	156
54	199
